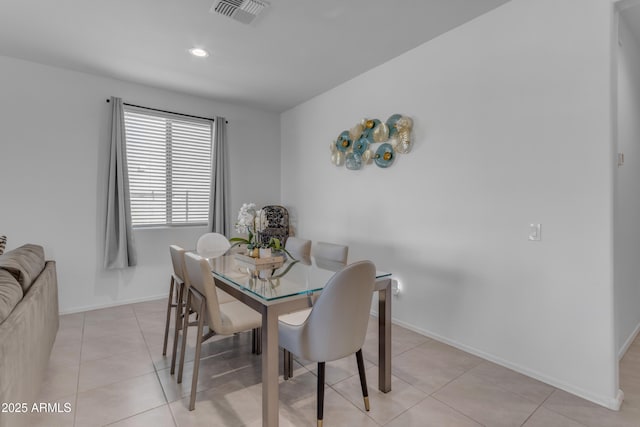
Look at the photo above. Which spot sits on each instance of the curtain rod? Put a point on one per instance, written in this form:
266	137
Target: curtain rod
169	112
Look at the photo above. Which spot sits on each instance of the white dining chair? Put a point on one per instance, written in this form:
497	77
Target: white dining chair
335	327
328	256
223	319
331	252
300	249
212	245
176	301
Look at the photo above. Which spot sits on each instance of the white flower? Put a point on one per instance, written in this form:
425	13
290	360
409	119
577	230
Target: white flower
246	218
256	221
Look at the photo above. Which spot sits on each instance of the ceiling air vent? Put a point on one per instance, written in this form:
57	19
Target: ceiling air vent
244	11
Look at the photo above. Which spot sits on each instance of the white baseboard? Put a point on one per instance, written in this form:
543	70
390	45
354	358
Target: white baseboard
112	304
628	342
613	403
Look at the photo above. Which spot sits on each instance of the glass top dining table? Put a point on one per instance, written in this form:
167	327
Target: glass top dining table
275	288
275	280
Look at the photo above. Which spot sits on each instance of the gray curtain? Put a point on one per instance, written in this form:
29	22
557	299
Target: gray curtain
119	249
218	214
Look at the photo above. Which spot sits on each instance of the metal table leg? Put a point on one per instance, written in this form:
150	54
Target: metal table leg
269	367
384	338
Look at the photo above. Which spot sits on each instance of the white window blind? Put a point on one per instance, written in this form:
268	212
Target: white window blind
169	163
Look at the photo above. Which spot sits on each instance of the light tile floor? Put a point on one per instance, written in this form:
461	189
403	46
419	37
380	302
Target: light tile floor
108	365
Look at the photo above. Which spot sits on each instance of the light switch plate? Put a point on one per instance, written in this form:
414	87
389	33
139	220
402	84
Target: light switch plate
534	232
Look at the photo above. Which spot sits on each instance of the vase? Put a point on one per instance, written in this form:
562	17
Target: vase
265	252
253	253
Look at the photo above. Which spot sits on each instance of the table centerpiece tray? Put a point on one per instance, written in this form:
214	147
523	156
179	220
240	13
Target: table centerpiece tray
259	263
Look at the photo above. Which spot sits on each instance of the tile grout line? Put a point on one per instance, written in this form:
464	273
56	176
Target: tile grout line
110	335
131	377
135	415
499	384
374	365
75	413
457	410
349	400
538	407
453	379
432	394
102	358
427	339
411	407
495	384
560	413
155	369
157	377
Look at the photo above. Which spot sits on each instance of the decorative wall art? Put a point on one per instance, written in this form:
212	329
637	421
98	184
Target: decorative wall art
366	142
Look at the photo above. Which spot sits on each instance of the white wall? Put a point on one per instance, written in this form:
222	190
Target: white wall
512	127
627	196
54	152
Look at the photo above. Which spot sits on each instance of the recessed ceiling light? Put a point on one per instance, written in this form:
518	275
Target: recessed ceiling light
200	53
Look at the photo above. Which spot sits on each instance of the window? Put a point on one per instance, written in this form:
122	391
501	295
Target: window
169	163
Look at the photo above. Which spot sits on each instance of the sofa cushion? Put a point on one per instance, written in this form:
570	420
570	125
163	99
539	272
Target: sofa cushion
24	263
10	294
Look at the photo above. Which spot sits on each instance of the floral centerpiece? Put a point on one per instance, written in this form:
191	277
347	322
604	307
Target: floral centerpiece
248	222
248	216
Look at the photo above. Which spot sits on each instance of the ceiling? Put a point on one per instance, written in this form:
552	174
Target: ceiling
293	51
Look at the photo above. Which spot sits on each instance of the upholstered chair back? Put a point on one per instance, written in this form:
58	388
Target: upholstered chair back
331	252
177	259
299	248
212	245
337	324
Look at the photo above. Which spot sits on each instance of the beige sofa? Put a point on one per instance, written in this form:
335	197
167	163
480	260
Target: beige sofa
28	327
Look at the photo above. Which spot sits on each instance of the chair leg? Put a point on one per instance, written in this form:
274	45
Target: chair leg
166	327
196	361
179	324
286	365
320	392
254	343
363	379
185	328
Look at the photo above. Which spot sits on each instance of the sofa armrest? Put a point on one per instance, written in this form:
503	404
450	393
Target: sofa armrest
26	339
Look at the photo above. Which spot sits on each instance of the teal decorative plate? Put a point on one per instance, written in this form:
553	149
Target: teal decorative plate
391	122
369	127
367	135
344	141
354	161
361	145
384	156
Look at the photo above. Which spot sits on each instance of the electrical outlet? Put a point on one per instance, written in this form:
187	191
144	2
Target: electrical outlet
535	232
395	287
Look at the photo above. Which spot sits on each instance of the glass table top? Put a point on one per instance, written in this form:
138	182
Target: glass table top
274	280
